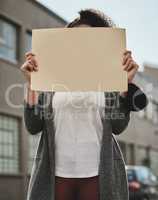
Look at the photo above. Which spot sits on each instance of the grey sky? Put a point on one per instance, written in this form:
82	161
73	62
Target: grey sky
139	17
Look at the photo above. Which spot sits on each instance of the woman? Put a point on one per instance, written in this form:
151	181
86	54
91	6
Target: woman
78	156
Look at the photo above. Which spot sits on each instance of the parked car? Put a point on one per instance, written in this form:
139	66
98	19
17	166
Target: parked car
143	184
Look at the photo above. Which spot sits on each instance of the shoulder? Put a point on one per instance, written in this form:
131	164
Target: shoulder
136	99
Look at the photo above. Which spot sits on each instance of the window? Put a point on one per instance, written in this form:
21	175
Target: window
9	144
33	144
154	160
142	157
8	41
28	41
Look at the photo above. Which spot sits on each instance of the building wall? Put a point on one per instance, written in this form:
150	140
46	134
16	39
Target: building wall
141	137
25	15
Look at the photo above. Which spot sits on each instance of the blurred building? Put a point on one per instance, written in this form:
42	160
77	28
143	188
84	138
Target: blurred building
17	19
139	142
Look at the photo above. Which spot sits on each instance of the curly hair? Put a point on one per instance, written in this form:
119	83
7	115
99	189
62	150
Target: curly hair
92	17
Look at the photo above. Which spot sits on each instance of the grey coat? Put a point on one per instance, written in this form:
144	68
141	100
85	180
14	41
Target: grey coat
112	175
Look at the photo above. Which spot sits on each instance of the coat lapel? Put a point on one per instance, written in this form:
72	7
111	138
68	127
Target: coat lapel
106	153
50	134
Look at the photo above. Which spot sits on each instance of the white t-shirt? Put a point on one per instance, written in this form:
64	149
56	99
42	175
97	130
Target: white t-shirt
78	132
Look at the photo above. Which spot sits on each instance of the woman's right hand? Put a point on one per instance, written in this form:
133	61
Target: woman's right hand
30	65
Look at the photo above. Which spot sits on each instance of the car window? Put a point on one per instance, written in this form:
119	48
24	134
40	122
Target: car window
144	174
130	175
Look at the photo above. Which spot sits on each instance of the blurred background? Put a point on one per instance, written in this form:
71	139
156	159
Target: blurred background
139	142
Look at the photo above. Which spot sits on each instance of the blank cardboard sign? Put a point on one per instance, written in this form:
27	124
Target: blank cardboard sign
79	59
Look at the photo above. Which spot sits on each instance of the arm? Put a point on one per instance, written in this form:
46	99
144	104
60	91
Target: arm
135	100
33	114
132	100
120	116
33	102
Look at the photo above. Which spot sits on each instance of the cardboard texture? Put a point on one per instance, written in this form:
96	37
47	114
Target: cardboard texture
79	59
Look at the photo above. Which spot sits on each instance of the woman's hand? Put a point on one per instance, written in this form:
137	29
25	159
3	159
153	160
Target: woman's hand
129	65
29	65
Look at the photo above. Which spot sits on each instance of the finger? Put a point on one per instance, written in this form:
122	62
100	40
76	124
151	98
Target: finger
30	61
134	65
125	59
30	57
29	54
29	68
33	62
32	68
127	52
129	60
24	66
130	67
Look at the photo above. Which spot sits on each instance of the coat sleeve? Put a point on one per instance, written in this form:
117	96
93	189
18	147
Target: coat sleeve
33	116
135	101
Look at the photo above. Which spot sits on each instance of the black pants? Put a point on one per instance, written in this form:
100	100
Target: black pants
77	188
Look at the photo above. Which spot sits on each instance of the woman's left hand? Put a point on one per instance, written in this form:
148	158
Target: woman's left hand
129	65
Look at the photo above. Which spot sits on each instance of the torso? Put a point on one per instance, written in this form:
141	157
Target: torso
78	132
